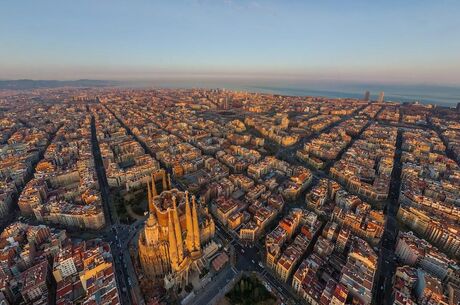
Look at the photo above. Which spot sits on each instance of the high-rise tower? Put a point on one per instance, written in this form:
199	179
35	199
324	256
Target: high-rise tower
367	96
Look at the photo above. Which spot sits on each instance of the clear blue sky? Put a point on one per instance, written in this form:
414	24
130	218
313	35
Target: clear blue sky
410	41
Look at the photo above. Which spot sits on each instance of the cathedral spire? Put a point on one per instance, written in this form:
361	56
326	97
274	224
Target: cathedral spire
169	182
189	241
148	192
165	185
154	188
150	198
196	227
172	241
178	231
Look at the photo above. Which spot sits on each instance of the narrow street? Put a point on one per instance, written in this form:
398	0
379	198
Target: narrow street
110	216
386	262
116	234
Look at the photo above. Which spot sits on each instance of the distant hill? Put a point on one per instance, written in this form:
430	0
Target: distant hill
22	84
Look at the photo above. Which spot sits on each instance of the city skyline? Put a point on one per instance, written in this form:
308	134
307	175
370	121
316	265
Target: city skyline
392	42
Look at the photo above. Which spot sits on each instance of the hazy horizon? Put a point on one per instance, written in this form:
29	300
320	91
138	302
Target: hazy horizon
266	80
425	93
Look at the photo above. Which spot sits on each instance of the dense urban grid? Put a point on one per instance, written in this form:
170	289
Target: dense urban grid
198	196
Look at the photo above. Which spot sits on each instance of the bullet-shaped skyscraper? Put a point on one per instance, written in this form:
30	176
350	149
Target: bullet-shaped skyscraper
367	96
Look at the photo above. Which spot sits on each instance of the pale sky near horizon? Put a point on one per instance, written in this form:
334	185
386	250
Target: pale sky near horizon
407	41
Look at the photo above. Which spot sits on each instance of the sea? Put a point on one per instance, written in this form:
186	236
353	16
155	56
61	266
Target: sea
447	96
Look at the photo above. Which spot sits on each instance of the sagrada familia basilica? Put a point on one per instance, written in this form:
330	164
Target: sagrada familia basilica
177	228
